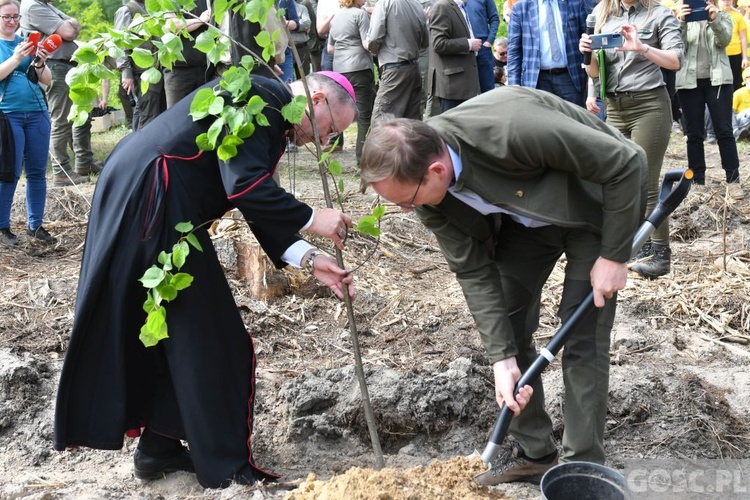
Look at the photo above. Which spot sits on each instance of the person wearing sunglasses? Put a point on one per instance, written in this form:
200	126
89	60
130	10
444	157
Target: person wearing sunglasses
505	199
197	385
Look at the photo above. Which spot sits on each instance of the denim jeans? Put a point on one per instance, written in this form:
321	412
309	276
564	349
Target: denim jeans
719	102
31	132
64	133
562	86
486	69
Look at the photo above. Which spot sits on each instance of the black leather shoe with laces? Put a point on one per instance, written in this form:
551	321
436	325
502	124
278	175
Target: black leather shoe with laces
148	468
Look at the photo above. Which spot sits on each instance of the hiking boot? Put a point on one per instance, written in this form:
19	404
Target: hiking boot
68	179
643	253
149	468
42	235
734	191
7	238
659	263
95	168
513	465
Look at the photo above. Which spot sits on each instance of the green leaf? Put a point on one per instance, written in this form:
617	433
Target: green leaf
149	305
255	105
180	251
167	292
341	187
379	212
368	225
236	81
193	240
142	58
216	106
86	54
181	281
200	104
203	142
151	75
228	147
205	41
165	259
334	168
214	130
152	277
184	227
155	328
246	131
295	110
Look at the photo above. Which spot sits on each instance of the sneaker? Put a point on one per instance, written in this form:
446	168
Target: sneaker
711	139
676	129
734	191
7	238
95	168
513	465
42	235
659	263
68	179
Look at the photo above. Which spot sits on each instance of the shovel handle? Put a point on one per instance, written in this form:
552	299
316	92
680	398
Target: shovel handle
674	189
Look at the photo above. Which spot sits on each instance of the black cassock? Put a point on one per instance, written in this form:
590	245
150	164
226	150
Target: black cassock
198	384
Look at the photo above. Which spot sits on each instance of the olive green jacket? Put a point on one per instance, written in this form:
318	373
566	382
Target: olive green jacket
534	154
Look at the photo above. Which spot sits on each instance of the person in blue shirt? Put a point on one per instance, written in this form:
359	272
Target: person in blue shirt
22	102
484	22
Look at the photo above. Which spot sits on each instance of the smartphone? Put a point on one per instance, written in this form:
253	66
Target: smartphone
606	40
698	11
34	39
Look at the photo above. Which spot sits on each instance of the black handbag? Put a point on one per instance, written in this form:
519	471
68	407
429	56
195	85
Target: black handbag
7	144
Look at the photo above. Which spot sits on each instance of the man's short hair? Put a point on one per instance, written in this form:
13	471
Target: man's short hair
399	149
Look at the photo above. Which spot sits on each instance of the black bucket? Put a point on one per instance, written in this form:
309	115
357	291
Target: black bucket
583	481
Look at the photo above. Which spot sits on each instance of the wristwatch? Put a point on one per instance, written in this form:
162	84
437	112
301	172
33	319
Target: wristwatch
310	260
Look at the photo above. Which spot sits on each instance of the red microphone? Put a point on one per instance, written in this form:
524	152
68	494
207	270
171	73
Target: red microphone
50	44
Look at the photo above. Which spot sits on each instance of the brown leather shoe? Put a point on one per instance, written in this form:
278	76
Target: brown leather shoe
68	179
512	465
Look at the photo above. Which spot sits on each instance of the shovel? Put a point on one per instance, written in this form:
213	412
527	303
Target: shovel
674	188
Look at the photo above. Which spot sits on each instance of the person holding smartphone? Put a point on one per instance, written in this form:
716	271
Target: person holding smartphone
706	80
22	102
637	101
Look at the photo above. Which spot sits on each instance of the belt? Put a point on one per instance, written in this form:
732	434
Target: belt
397	65
53	62
635	93
554	71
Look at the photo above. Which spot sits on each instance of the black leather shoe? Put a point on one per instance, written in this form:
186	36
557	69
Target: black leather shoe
149	468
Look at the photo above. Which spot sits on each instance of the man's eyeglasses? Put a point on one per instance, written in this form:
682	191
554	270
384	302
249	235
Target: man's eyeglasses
502	54
334	131
411	205
8	19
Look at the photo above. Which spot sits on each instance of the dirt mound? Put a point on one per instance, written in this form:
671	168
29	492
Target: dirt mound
439	480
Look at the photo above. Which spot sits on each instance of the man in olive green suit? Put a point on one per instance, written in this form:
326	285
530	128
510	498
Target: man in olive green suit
506	197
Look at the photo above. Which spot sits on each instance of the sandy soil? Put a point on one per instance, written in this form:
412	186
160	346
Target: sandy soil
680	386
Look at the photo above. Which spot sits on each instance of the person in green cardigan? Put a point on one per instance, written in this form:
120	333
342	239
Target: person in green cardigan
506	197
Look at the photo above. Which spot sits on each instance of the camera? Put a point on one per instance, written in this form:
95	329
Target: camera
606	41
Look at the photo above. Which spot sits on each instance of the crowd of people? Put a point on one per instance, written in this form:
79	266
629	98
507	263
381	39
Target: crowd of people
513	151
